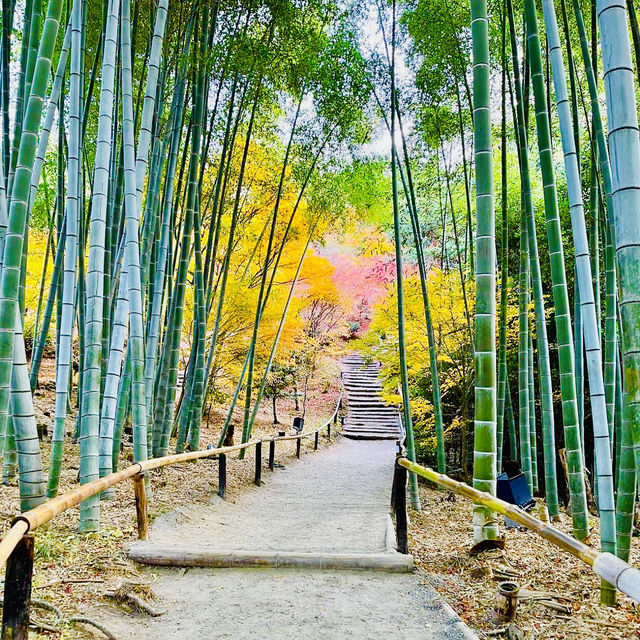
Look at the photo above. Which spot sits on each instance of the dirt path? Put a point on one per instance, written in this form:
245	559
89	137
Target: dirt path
334	501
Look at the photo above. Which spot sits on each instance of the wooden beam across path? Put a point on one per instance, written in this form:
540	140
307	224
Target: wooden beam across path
201	556
607	566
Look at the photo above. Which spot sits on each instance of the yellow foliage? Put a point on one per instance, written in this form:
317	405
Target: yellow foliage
452	335
248	256
35	262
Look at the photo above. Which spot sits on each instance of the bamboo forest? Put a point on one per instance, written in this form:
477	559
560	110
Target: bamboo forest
320	318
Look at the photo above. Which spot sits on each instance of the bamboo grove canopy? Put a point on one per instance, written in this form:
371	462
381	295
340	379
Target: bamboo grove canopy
141	137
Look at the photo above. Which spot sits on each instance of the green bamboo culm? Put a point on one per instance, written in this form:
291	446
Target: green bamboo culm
20	101
422	271
113	377
40	337
156	300
132	245
532	416
7	19
31	477
602	155
559	282
25	430
588	303
624	143
544	363
625	498
511	423
485	447
406	406
92	378
52	106
195	397
503	374
149	104
171	346
524	406
579	358
69	277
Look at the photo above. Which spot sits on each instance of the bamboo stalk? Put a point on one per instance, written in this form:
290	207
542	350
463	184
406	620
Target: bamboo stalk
404	376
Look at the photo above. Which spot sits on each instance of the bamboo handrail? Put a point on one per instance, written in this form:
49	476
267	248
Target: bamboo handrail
306	434
34	518
44	513
607	566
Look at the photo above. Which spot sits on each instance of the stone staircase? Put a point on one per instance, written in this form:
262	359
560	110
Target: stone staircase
368	417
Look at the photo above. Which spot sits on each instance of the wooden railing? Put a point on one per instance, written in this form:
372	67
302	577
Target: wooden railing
610	568
17	545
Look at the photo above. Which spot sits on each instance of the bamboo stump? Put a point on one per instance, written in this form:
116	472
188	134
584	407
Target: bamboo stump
17	591
507	602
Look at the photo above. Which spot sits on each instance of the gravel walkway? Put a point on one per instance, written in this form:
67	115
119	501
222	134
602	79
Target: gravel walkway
333	501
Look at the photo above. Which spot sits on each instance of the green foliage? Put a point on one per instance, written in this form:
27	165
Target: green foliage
367	186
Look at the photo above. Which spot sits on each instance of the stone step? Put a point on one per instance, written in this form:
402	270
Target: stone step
372	406
373	428
363	393
370	436
360	371
352	384
372	423
370	426
367	405
368	415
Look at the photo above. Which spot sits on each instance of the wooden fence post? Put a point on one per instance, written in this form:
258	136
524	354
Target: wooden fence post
315	441
140	492
222	476
272	454
257	479
399	503
17	591
329	431
298	441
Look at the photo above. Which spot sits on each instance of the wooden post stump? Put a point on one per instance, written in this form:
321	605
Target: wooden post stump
272	454
222	476
399	503
257	478
315	441
140	492
17	591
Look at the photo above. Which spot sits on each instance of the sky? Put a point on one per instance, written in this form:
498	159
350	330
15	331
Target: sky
373	44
